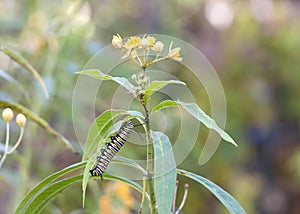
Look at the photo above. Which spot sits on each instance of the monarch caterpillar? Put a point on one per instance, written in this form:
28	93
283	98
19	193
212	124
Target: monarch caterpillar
112	147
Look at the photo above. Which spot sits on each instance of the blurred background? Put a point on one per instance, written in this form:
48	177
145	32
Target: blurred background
254	46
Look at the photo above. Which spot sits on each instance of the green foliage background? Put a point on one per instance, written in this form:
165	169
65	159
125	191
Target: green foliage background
257	62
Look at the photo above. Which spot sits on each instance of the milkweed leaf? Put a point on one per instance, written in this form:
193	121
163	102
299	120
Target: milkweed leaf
226	199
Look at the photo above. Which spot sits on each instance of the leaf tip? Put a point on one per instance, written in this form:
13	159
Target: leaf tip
83	197
230	140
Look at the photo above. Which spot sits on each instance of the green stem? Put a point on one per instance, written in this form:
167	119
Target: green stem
18	142
6	145
150	165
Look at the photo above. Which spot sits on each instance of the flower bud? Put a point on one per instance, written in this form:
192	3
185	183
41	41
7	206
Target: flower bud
7	114
133	77
139	82
158	47
117	41
21	120
144	43
145	81
141	76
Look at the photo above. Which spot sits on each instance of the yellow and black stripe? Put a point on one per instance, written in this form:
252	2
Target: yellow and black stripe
112	148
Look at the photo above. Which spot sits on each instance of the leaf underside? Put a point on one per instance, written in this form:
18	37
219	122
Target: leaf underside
164	171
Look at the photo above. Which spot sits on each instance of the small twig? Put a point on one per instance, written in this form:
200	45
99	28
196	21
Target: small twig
174	198
186	189
18	142
6	145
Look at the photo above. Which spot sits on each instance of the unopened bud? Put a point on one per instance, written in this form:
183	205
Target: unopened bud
7	114
139	82
141	76
144	43
21	120
158	47
145	80
133	77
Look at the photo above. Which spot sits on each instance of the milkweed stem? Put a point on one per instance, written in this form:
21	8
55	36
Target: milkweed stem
3	157
149	182
18	142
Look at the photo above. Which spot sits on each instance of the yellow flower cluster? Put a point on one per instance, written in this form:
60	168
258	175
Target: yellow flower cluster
138	49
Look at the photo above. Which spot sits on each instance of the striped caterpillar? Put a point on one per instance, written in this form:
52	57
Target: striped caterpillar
112	147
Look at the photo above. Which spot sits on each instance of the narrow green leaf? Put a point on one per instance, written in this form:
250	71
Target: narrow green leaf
50	187
40	121
86	175
51	191
156	85
199	114
226	199
164	104
102	76
96	139
164	171
116	159
54	189
44	183
15	56
98	129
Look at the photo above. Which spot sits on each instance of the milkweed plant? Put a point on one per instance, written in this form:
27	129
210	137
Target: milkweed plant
159	183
